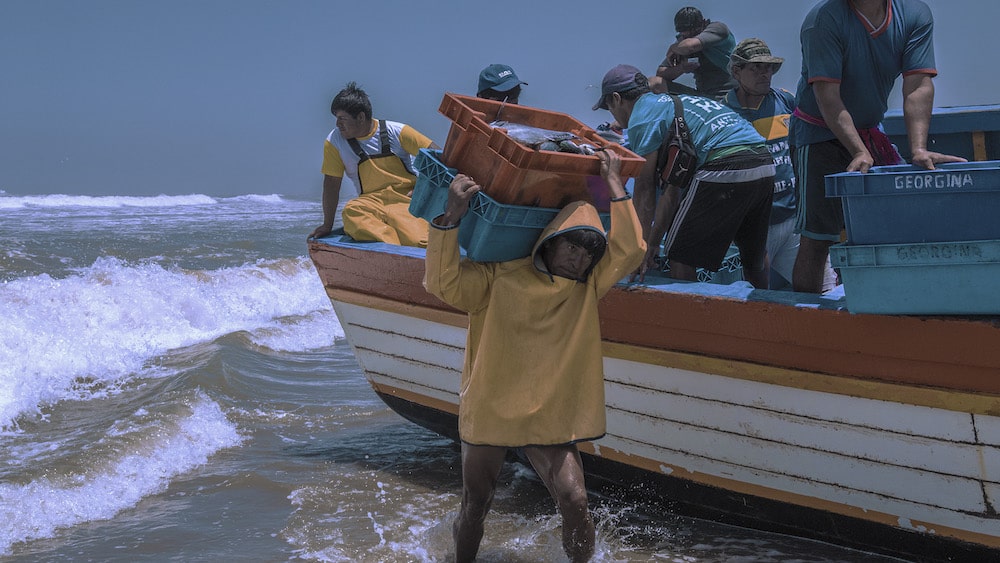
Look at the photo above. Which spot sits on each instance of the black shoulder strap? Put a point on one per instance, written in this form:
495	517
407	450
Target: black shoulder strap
681	125
356	147
362	156
383	138
386	149
677	129
676	142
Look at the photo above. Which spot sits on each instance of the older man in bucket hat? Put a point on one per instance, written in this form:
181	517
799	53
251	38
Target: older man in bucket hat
729	198
769	109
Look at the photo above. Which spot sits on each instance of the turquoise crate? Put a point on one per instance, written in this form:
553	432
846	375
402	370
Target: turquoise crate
490	231
950	278
496	232
430	193
908	204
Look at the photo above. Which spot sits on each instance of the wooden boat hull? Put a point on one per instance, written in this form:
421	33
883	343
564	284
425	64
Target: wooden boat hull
764	409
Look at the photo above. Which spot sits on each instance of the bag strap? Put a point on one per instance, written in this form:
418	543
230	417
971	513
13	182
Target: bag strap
679	130
680	126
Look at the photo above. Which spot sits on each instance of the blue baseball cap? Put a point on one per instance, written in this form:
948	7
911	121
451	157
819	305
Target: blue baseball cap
498	77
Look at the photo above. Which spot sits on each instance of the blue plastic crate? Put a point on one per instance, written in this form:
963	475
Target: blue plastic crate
949	278
491	231
430	193
908	204
497	232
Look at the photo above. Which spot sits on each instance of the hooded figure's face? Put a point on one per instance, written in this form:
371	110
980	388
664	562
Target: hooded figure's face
566	259
572	243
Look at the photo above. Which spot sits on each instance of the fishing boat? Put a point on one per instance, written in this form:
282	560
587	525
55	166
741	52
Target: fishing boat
774	410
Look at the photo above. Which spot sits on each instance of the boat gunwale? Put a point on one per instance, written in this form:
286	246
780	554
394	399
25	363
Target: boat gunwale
925	355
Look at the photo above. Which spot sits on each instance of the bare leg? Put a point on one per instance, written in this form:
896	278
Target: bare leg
561	469
480	468
810	265
681	271
759	280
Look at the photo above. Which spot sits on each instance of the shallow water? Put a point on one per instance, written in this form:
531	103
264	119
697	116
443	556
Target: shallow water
174	386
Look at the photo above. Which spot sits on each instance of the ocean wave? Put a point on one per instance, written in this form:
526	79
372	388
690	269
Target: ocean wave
55	201
113	201
257	198
294	334
39	508
108	322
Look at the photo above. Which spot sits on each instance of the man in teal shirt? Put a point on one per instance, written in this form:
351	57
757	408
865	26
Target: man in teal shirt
852	53
728	199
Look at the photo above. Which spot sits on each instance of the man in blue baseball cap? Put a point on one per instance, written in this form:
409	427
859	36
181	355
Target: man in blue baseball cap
499	82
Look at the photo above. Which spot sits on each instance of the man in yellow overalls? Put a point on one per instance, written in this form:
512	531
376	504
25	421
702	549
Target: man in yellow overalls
377	155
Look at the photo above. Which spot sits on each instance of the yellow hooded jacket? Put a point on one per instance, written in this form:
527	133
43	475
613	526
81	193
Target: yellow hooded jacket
534	371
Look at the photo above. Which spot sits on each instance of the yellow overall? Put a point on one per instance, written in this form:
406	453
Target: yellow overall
382	211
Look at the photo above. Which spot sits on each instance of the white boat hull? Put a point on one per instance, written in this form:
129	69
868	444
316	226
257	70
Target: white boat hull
763	431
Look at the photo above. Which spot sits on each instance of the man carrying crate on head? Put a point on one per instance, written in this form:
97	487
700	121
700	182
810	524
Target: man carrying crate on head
533	376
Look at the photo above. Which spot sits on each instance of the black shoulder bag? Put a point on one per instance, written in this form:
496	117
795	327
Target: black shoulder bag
677	159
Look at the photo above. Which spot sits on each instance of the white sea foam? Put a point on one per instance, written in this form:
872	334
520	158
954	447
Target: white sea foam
315	330
106	323
38	509
64	200
258	198
51	201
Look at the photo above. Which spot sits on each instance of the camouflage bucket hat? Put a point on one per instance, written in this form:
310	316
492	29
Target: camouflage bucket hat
753	50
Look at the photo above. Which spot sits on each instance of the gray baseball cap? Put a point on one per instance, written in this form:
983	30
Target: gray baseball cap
621	78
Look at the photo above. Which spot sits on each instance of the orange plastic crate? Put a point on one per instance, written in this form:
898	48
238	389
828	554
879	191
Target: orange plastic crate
515	174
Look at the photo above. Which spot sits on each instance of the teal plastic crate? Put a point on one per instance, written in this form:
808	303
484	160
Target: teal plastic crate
496	232
430	193
949	278
908	204
490	231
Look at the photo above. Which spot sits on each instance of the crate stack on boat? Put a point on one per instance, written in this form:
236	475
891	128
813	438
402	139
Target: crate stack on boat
523	187
920	241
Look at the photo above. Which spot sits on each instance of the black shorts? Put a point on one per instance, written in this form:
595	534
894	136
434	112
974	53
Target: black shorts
819	217
729	200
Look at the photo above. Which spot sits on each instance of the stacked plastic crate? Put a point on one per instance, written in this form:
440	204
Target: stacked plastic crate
491	231
920	241
523	187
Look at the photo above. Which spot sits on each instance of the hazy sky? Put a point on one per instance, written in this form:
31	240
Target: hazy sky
228	97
